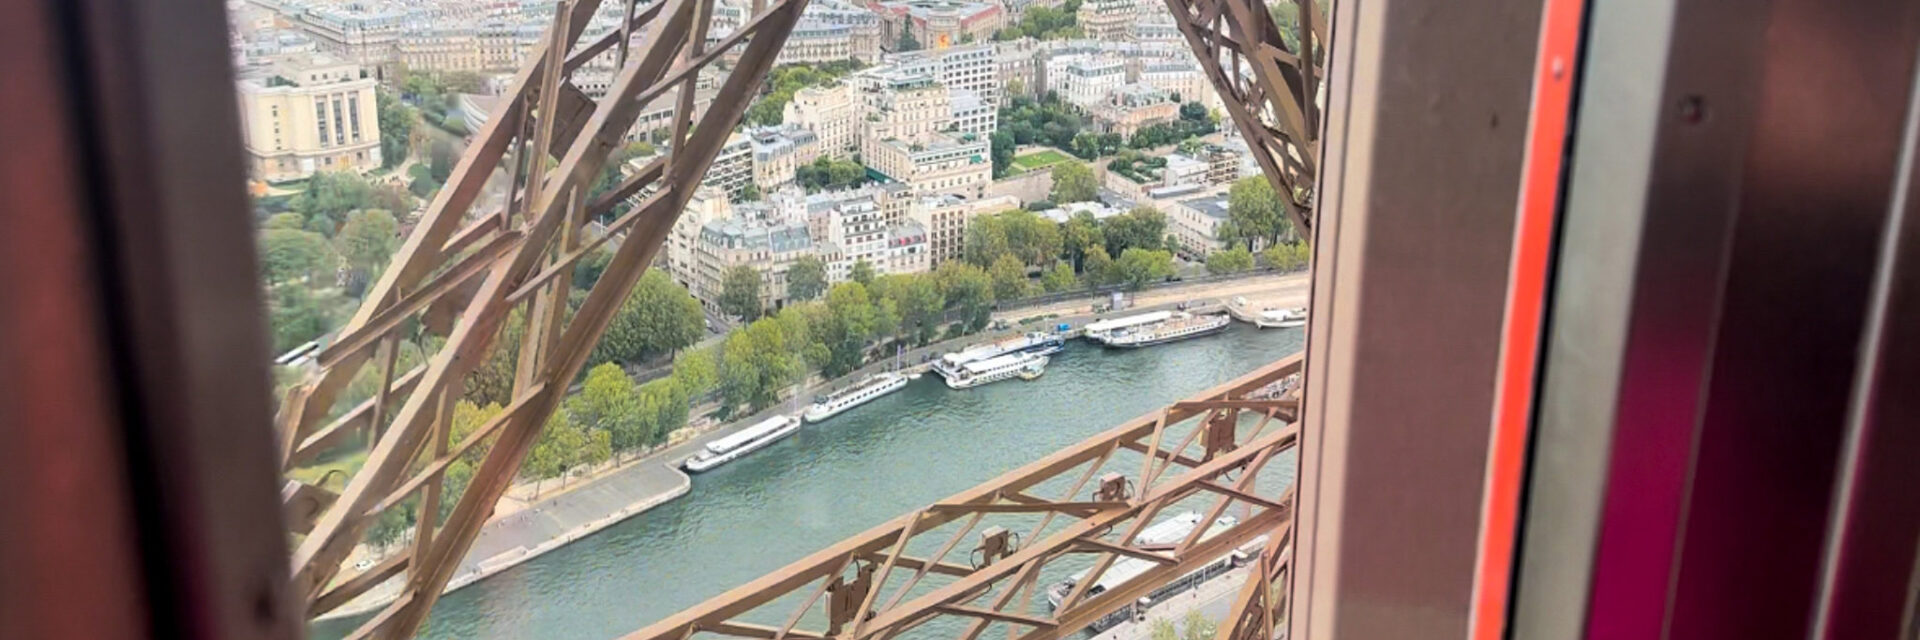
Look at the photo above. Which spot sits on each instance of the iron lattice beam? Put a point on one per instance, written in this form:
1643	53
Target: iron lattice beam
874	587
1270	88
475	268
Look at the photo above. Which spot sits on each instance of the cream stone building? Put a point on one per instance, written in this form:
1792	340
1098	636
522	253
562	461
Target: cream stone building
309	113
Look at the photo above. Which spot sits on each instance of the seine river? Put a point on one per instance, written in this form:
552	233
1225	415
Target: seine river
834	480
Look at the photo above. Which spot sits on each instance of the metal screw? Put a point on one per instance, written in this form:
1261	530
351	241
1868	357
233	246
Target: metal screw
1693	110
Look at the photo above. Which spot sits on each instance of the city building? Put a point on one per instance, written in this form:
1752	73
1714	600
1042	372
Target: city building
945	218
968	113
1183	170
777	152
440	48
732	170
1195	223
769	246
1111	20
309	113
900	105
937	24
941	164
863	26
1130	107
1019	63
1085	79
678	252
973	68
816	41
830	112
362	33
1223	164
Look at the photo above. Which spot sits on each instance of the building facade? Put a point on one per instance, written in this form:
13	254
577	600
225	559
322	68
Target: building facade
830	112
309	113
945	219
1110	20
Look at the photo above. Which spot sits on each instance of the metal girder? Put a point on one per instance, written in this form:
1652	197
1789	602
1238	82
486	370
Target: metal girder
497	262
997	588
1270	89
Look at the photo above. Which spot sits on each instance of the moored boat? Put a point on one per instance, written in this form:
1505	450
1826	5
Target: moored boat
1281	318
974	374
860	393
1036	343
1177	326
732	446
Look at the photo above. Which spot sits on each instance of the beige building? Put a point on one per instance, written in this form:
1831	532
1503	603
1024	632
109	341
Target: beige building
942	164
770	247
778	152
1110	20
1128	108
309	113
830	112
903	106
945	219
441	49
732	170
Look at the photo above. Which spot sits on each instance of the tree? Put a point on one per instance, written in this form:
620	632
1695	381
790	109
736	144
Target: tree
1144	227
562	445
663	409
284	220
1196	626
851	321
969	289
1098	267
918	300
396	128
440	161
695	371
1138	266
1162	629
1072	182
295	318
606	403
1291	256
658	317
491	381
288	255
1255	210
985	241
862	272
329	196
587	271
1009	278
1059	278
367	241
907	42
756	362
1081	233
740	292
750	193
1002	146
1234	260
806	279
392	524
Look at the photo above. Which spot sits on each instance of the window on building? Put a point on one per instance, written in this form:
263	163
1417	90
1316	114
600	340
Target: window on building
320	119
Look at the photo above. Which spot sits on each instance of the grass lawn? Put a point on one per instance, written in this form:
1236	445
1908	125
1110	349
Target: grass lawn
1038	159
349	463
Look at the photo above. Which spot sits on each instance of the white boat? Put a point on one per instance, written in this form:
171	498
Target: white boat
979	372
1100	331
1281	318
1171	531
1177	326
739	443
856	395
1037	343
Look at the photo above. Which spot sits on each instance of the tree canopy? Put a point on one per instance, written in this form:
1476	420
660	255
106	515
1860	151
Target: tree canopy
1233	260
1072	182
1258	216
1144	227
658	317
288	255
969	289
740	292
806	279
1137	267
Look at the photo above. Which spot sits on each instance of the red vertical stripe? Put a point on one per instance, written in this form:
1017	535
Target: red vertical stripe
1526	303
